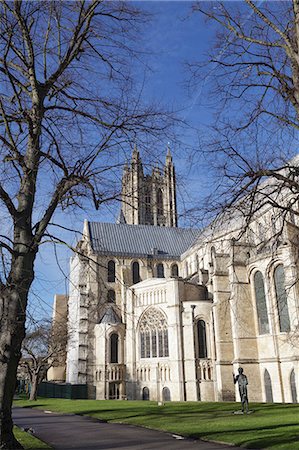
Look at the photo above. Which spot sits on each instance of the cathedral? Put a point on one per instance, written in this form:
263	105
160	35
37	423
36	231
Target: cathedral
159	312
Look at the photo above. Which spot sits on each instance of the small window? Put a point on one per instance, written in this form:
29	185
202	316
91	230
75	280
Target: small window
135	272
111	271
111	296
160	271
174	270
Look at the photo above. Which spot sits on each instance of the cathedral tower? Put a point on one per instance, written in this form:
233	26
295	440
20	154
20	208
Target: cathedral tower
149	199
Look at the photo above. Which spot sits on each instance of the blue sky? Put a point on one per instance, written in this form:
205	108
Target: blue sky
174	36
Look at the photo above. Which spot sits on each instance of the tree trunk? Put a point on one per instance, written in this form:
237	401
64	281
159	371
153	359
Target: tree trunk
12	333
34	386
13	302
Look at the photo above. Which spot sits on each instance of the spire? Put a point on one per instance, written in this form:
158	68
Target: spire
168	155
121	218
135	154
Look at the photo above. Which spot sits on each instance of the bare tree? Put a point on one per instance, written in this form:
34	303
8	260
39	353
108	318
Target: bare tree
42	348
68	106
253	77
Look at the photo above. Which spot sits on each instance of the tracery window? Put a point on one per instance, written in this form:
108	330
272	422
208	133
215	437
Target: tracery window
153	332
281	299
261	305
135	272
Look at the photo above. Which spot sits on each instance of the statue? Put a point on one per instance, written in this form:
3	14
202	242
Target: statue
242	383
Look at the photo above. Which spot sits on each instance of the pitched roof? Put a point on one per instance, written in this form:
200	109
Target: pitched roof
110	317
140	240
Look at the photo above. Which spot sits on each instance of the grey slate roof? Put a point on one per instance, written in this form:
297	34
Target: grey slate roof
140	240
110	317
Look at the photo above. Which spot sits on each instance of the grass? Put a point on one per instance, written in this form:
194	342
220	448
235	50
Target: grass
274	426
28	441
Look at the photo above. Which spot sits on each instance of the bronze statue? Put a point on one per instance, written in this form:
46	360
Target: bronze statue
242	383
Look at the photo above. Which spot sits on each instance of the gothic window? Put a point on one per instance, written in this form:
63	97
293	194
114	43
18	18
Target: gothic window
111	271
114	348
261	232
281	299
261	305
135	272
159	202
174	270
268	387
111	296
251	236
153	334
202	339
160	271
273	225
186	269
145	393
166	394
293	387
148	207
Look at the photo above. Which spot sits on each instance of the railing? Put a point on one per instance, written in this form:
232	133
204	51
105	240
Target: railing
115	372
204	369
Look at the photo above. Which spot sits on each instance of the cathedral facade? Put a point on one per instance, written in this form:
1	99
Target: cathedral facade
165	313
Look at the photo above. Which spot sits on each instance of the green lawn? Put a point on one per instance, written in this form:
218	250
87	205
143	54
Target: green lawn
274	426
28	441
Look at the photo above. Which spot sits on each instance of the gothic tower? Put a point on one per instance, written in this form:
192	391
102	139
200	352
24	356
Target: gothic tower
149	199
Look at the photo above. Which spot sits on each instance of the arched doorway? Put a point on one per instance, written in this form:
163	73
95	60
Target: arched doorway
268	387
166	394
145	393
293	387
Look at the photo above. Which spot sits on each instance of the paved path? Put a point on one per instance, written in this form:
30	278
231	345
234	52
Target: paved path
63	431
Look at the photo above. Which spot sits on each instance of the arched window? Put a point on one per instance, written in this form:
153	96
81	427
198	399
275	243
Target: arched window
153	333
281	299
159	202
148	207
202	339
166	394
174	270
160	271
111	296
114	348
135	272
261	305
111	271
145	393
293	387
268	387
261	231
